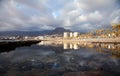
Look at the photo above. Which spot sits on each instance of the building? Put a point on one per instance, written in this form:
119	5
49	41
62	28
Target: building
76	34
66	34
70	34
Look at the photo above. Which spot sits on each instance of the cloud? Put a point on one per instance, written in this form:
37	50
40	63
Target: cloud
91	17
116	20
80	15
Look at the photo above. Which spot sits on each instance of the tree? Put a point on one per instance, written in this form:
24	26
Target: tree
116	29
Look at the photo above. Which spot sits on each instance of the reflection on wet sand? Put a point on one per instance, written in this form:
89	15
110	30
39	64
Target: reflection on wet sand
100	47
77	45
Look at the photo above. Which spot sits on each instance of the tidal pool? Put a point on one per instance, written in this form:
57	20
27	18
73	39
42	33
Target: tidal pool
62	59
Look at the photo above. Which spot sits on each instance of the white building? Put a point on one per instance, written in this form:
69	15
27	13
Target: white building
76	34
66	34
71	34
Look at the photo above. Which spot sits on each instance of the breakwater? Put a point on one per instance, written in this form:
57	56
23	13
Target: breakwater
7	46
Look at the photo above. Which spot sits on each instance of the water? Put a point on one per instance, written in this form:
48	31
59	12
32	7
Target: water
9	40
62	59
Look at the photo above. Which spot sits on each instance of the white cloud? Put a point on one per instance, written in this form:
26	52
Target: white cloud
82	18
94	4
25	14
116	20
95	16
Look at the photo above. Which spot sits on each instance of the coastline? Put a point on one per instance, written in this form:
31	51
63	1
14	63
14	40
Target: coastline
90	40
7	46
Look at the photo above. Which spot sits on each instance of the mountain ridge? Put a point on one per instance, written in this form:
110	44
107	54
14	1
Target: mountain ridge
58	30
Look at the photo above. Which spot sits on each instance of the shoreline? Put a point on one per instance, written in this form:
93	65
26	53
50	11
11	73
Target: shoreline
90	40
8	46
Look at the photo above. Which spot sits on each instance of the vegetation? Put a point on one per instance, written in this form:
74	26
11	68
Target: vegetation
112	32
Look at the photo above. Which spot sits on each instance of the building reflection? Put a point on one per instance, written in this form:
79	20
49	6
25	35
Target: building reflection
65	46
78	45
114	49
71	46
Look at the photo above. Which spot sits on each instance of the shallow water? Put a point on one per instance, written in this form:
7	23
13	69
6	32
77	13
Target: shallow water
62	59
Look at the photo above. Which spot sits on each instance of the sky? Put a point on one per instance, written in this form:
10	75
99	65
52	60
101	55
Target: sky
76	15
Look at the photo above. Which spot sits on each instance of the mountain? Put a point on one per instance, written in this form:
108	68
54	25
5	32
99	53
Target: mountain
20	33
58	30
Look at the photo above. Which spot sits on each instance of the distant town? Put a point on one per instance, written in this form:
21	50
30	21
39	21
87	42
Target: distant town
103	35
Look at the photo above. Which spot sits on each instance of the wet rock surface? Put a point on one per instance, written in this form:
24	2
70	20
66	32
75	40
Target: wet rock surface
8	46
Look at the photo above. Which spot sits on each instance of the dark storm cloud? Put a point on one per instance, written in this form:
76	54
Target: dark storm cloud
80	15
